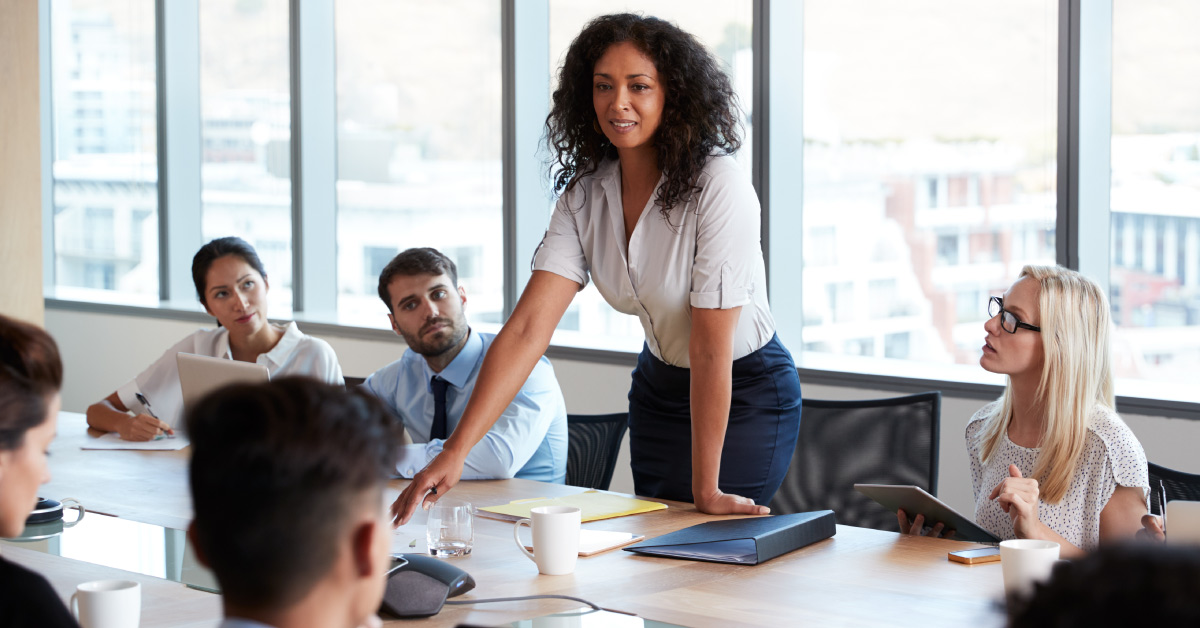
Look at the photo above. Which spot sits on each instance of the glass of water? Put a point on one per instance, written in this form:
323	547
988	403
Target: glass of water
450	531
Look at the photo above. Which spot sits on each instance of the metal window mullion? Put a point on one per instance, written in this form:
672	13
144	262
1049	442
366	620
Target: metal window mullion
525	63
1085	137
177	37
313	69
46	105
780	156
760	111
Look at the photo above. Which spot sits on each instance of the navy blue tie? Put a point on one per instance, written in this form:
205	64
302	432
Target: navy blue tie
439	385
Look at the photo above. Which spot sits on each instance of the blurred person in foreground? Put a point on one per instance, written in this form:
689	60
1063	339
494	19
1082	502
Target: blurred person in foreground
287	484
1127	584
30	378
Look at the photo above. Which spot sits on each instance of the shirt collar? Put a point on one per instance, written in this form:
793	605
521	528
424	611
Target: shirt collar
291	337
460	368
222	343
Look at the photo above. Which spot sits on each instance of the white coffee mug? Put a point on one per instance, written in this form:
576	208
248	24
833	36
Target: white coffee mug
107	604
1025	562
555	538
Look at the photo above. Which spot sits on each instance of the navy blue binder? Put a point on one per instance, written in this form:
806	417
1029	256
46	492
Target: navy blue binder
743	541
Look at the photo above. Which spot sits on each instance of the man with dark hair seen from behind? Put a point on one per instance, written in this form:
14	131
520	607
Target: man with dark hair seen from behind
428	387
287	485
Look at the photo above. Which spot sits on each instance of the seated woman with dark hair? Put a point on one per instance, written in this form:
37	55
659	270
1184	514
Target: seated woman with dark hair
232	285
30	376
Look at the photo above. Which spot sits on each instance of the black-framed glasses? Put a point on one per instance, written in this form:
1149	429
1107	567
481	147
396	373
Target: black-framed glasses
1008	321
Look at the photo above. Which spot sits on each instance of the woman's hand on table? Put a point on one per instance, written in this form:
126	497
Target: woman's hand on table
917	526
143	427
715	502
426	487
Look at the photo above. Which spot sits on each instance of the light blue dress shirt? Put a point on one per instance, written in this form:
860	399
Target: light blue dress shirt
528	441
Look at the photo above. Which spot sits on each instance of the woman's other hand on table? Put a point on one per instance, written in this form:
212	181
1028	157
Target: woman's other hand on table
716	502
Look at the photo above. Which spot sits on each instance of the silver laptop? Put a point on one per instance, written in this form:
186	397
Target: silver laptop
201	374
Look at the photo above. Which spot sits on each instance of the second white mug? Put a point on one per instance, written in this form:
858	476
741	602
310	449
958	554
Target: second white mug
555	538
107	604
1024	562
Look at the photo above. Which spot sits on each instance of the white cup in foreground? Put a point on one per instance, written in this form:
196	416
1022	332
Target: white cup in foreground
555	538
107	604
1024	562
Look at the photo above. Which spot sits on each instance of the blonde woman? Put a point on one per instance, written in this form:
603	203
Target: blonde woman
1051	459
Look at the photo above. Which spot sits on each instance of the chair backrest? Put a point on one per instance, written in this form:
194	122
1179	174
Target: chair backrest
874	441
1179	485
354	382
593	442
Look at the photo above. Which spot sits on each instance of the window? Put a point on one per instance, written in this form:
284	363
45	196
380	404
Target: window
1155	198
930	170
419	144
245	129
915	150
104	153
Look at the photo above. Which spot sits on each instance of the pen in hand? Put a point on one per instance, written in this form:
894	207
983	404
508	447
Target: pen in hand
149	410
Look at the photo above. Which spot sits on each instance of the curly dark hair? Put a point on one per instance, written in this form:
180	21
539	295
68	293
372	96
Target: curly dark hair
700	116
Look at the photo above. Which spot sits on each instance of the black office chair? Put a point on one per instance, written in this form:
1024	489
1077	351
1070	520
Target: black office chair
354	382
1179	485
874	441
593	442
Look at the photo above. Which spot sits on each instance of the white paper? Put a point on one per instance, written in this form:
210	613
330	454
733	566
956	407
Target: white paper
112	440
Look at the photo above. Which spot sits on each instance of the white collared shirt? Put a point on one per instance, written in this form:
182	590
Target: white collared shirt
708	256
295	354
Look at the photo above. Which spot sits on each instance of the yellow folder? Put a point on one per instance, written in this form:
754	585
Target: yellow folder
594	505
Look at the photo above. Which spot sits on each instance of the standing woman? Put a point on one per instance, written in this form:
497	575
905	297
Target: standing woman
30	376
1051	459
232	285
655	211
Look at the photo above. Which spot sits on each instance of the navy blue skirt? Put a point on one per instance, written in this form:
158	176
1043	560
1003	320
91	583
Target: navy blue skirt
764	421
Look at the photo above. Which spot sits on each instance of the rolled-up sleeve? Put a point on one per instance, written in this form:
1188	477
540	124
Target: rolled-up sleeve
561	251
728	246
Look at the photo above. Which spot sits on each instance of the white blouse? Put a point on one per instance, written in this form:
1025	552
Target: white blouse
707	255
295	354
1111	456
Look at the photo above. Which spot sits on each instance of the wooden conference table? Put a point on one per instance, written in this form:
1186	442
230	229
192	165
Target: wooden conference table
859	577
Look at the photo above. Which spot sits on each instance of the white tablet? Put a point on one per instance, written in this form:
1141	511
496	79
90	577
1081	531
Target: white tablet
201	374
1183	522
916	501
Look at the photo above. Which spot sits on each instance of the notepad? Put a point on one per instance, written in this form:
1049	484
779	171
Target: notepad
112	440
594	505
592	542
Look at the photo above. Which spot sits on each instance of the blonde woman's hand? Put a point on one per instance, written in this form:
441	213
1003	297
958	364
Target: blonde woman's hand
1018	496
1152	529
917	526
